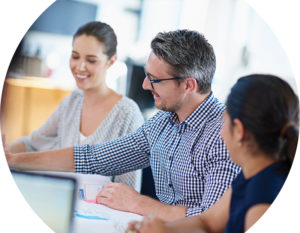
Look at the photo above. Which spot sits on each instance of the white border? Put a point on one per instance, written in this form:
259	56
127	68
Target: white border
16	16
284	19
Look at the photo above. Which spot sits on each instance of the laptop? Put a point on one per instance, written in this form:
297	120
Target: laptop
52	197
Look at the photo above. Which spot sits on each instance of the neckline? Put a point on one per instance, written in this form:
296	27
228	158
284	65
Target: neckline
79	109
261	171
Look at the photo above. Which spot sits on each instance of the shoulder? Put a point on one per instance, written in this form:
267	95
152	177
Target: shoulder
209	118
213	125
265	186
160	116
127	104
70	104
157	121
127	112
239	180
73	98
127	108
216	112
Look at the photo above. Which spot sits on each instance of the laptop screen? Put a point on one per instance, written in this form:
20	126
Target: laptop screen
51	197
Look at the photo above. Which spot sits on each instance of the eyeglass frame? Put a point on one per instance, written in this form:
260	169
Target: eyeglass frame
160	80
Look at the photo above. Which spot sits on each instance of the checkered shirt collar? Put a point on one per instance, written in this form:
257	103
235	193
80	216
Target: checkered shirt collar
198	117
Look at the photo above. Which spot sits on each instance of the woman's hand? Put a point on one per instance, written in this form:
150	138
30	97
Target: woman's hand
9	156
5	147
149	224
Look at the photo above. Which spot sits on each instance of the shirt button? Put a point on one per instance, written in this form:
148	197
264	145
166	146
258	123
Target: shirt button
170	185
170	158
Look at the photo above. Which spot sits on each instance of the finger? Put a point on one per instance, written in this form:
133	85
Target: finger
105	192
134	227
131	227
109	185
138	226
132	223
102	200
100	193
131	231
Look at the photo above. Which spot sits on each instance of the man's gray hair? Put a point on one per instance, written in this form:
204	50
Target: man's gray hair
189	54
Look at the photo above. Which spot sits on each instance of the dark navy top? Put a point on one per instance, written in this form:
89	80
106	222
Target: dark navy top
261	188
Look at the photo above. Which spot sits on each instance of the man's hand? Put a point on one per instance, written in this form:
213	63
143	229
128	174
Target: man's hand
121	197
118	196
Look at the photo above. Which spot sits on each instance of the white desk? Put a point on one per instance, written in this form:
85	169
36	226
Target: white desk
117	220
95	218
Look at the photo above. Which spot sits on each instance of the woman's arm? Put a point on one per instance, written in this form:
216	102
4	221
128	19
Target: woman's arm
54	160
212	220
16	146
254	213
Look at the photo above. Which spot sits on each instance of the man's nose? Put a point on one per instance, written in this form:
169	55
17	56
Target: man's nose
146	84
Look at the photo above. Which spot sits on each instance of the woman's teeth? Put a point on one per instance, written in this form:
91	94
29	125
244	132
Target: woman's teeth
81	76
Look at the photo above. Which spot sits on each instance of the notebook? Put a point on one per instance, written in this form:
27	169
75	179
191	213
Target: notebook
52	197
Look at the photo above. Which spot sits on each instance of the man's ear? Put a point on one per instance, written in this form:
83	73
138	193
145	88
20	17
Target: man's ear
238	130
191	84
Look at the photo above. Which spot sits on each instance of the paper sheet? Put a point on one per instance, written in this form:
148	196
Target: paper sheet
89	217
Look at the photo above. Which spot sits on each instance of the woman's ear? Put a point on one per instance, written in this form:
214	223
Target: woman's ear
238	130
112	60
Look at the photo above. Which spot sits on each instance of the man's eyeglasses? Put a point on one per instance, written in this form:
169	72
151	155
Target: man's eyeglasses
160	80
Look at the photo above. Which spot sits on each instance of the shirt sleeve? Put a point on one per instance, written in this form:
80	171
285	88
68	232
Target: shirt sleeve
124	154
220	171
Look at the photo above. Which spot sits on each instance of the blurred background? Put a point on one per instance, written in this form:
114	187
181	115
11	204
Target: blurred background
39	75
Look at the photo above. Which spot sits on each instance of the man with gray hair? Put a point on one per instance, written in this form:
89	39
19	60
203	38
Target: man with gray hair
181	143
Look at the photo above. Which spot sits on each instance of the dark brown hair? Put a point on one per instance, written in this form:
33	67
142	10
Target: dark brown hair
103	33
269	109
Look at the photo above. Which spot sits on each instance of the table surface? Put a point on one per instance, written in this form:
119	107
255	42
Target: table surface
95	218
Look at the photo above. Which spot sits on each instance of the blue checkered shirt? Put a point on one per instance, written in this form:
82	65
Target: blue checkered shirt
189	160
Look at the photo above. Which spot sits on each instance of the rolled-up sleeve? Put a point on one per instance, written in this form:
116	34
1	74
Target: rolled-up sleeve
124	154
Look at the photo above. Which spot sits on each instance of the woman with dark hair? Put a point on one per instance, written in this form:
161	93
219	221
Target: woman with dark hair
261	132
92	113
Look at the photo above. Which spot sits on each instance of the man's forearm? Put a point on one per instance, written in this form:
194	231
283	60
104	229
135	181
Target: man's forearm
146	205
54	160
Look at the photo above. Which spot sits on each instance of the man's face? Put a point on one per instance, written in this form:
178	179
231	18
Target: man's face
168	95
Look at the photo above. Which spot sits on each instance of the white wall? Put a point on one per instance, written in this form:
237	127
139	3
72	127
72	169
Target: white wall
229	25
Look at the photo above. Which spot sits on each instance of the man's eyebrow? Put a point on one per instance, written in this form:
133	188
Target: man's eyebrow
150	73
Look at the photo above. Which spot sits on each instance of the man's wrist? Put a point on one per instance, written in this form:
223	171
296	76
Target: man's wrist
139	205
